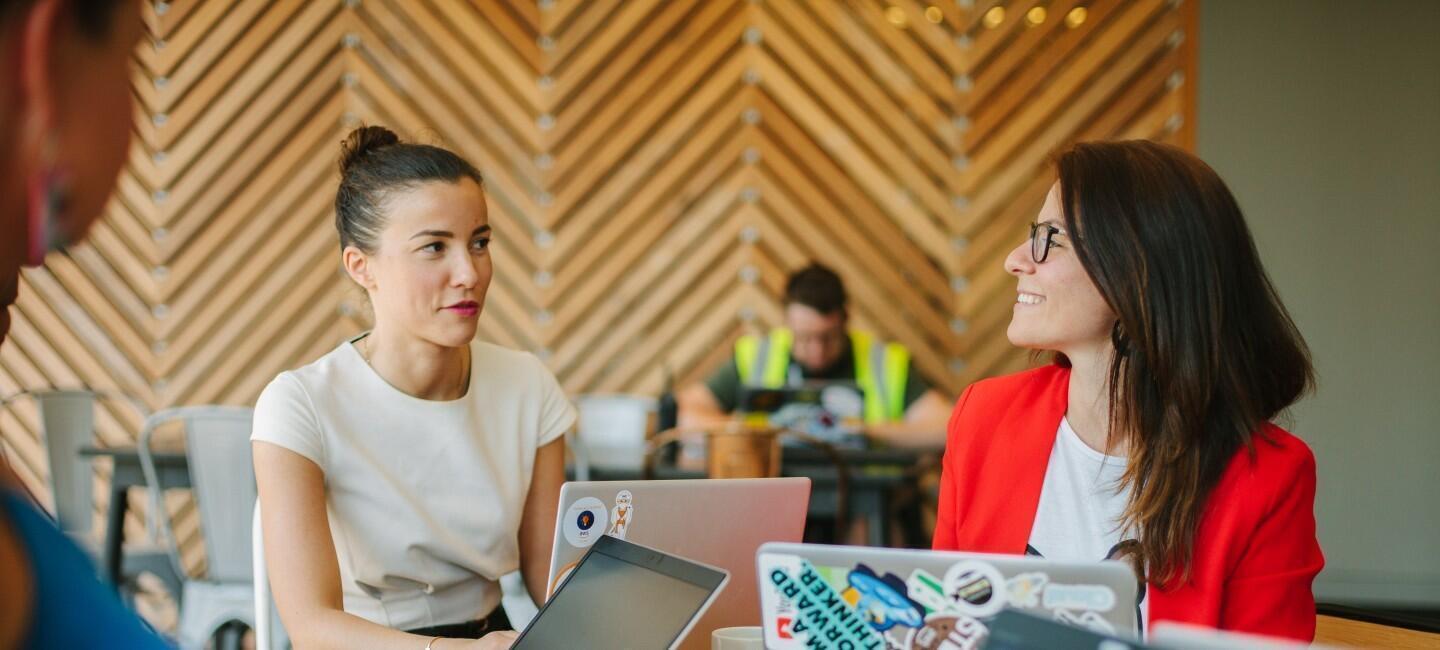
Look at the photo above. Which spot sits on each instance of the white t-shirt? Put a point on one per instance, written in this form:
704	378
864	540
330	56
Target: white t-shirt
424	497
1080	503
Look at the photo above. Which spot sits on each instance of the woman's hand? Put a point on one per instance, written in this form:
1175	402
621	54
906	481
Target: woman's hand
491	641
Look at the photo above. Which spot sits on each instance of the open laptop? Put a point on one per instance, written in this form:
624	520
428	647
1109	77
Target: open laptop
623	595
721	522
893	598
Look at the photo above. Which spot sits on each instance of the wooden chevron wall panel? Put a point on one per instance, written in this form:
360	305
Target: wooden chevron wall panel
655	168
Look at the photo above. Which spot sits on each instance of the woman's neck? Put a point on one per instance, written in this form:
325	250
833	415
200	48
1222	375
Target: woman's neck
418	368
1089	399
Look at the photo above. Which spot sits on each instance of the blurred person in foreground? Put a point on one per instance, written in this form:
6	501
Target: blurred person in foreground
65	113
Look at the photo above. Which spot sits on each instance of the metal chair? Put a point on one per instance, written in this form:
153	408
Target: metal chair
217	447
269	633
611	432
67	424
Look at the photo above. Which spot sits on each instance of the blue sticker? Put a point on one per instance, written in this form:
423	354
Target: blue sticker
883	601
585	520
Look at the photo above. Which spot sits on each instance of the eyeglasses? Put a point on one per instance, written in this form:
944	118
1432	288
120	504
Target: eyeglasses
1040	245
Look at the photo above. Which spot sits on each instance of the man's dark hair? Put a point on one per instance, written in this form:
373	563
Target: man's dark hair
94	17
816	287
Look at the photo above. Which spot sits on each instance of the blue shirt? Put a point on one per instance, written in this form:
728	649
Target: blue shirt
71	607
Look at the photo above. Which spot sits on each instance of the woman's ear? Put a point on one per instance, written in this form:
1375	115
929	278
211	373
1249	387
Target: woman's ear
357	266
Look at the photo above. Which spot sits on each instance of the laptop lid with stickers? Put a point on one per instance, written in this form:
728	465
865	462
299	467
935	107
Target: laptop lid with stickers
814	595
595	607
721	522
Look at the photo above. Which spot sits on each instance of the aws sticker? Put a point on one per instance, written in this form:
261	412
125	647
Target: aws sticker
622	514
1025	588
975	588
584	522
1093	597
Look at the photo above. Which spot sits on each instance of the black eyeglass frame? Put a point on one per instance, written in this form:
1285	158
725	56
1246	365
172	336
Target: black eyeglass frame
1041	251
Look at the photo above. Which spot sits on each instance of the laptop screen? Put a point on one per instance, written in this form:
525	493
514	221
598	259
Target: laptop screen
622	595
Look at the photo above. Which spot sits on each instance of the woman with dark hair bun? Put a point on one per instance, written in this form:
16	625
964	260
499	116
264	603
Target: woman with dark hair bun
405	471
1149	437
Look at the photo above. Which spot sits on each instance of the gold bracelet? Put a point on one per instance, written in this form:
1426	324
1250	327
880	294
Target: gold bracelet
431	642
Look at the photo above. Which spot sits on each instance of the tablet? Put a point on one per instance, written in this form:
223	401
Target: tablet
623	595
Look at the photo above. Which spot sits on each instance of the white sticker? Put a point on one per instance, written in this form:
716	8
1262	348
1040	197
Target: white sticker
1089	620
584	522
623	514
1093	597
1025	588
975	588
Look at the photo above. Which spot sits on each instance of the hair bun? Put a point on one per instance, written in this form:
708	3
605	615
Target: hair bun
363	141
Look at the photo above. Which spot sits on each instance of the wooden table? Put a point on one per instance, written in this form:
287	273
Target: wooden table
173	471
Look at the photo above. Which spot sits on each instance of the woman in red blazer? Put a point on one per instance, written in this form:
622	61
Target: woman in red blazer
1149	437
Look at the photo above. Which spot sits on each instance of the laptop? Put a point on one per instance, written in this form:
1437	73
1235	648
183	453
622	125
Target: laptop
831	411
623	595
843	399
721	522
894	598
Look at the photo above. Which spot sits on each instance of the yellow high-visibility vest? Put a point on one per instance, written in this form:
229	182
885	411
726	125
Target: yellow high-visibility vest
880	369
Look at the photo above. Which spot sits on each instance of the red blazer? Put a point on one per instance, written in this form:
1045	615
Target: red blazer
1255	551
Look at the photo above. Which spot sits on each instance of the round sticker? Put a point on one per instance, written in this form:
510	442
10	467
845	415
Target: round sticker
975	588
585	521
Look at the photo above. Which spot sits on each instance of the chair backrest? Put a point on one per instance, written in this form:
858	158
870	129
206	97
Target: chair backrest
613	428
67	423
269	633
217	448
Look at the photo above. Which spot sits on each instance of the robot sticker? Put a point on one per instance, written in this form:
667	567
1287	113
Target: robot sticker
622	514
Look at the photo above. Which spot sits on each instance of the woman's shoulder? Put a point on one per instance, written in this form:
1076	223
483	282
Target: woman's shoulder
1044	379
297	386
1277	463
1278	454
336	362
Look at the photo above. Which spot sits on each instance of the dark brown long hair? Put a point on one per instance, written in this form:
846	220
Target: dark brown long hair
1205	351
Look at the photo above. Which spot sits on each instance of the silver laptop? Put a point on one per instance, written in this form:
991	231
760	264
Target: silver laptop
815	595
623	595
720	522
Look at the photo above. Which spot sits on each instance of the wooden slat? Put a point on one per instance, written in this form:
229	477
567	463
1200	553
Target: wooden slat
654	170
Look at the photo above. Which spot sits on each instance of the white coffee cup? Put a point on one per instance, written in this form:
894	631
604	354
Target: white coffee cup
737	638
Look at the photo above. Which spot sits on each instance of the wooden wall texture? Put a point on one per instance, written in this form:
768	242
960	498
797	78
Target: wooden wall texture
654	169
